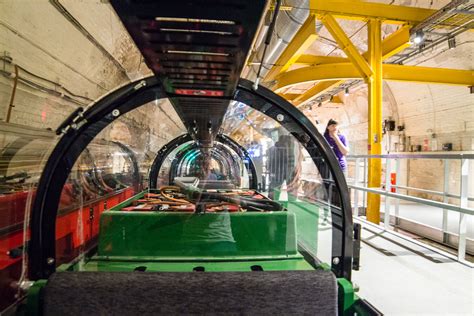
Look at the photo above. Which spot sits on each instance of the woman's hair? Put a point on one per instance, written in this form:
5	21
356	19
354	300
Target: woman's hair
331	122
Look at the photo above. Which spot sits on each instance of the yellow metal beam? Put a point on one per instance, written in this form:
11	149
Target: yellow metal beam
346	45
289	96
316	73
428	75
375	118
362	10
395	42
391	45
318	60
342	71
303	39
315	91
336	99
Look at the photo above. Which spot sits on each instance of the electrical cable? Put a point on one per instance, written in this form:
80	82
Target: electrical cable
267	41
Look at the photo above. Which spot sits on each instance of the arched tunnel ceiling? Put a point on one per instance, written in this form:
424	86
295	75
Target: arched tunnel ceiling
82	46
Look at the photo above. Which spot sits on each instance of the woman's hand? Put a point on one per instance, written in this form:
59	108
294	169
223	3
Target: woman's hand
342	148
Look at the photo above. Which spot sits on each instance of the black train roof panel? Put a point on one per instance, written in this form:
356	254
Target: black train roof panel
198	49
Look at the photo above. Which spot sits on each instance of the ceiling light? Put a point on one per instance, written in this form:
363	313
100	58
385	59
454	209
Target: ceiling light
196	53
195	31
169	19
419	37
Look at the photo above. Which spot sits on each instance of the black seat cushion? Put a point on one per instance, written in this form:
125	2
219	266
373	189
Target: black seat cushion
171	293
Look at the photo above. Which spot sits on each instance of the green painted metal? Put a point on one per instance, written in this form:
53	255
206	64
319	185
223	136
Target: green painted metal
215	242
234	266
189	236
346	297
33	299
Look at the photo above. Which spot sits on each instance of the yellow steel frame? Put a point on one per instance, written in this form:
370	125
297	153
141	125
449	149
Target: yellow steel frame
394	43
315	91
375	118
340	71
331	71
346	45
298	45
312	60
363	10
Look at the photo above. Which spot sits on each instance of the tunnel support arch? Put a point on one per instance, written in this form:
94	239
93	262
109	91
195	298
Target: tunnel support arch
79	130
166	150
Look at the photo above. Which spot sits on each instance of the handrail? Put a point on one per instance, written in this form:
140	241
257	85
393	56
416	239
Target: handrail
415	156
463	197
429	191
465	210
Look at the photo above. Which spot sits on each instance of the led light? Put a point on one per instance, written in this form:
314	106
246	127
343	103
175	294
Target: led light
419	37
168	19
195	31
189	52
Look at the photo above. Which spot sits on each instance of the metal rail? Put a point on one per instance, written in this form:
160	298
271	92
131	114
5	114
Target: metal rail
464	199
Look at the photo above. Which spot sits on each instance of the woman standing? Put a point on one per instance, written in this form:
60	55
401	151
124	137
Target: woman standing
338	143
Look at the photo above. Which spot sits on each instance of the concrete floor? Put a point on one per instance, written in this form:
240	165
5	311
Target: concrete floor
433	216
401	278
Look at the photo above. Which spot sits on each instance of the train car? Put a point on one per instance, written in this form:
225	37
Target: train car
219	227
92	186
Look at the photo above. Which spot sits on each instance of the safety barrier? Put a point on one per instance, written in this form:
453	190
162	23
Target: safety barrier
359	183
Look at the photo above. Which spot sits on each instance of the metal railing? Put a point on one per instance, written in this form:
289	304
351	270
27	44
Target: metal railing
463	208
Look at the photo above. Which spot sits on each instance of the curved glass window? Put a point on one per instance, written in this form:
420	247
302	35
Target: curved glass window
205	207
223	164
23	150
202	206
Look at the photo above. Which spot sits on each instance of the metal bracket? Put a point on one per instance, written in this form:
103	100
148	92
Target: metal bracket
74	121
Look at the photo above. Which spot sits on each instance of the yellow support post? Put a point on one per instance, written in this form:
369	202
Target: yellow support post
303	39
375	118
346	45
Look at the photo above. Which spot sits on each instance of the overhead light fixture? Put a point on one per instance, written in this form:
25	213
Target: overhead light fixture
188	52
451	42
346	92
169	19
419	37
194	31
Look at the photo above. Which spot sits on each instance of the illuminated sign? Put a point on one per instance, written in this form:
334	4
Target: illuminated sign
203	93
